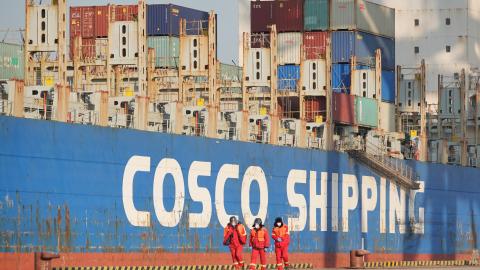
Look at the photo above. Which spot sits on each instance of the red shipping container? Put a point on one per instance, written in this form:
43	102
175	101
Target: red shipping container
315	44
126	13
88	48
101	21
343	108
315	106
88	22
261	16
260	40
75	21
288	15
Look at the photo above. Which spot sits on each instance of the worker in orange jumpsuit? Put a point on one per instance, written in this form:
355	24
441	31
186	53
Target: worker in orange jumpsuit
235	236
282	240
259	241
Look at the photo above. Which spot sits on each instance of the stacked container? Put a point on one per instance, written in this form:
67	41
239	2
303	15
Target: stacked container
91	24
288	17
163	30
359	28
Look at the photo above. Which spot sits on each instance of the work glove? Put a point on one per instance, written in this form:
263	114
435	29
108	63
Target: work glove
279	239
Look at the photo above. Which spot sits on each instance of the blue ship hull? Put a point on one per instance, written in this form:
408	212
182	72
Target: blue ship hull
81	190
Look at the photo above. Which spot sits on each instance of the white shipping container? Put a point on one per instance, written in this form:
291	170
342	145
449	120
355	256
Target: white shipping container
288	48
194	57
364	83
387	117
43	30
124	43
314	77
258	67
409	96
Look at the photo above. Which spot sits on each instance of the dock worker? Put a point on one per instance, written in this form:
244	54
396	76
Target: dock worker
259	241
282	240
235	237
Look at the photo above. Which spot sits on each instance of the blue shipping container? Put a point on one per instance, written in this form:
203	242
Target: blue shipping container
288	75
341	78
114	192
164	20
388	86
345	44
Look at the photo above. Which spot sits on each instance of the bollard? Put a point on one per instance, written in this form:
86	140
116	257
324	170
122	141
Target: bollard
43	260
357	258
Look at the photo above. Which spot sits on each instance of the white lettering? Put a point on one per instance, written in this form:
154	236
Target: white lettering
135	217
297	200
227	171
368	203
349	182
418	225
254	173
318	201
335	202
397	209
383	205
165	167
199	194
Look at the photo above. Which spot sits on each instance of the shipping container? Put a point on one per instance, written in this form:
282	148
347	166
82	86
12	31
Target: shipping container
89	48
167	50
316	15
126	13
315	109
314	44
366	111
11	61
124	48
409	95
314	77
230	73
364	16
449	102
101	21
288	15
89	21
261	16
164	20
341	78
345	44
260	40
258	67
388	86
365	83
387	117
288	76
289	48
343	108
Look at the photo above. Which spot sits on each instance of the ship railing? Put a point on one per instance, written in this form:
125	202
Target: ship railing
5	107
259	137
380	154
230	133
287	139
164	62
38	108
121	120
315	142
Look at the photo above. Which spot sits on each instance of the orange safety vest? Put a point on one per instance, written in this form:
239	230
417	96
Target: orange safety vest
259	235
280	231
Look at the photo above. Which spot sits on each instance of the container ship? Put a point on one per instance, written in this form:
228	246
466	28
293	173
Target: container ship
126	142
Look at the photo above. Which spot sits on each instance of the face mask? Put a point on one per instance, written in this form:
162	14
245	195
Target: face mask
279	224
234	224
257	226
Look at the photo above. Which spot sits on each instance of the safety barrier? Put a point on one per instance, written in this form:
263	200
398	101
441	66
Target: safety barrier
190	267
389	264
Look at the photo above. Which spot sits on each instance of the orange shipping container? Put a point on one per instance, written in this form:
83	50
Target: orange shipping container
126	13
101	21
315	44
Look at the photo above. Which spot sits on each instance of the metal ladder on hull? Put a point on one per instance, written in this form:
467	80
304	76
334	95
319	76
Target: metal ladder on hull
391	168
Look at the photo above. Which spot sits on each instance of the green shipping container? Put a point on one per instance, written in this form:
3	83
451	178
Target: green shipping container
167	50
230	73
316	15
11	61
366	111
